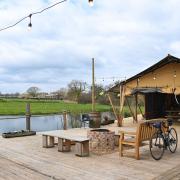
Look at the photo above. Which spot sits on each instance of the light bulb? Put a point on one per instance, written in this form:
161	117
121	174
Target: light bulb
29	27
30	24
91	3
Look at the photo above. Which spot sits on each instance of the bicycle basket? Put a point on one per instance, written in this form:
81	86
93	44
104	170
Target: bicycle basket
157	125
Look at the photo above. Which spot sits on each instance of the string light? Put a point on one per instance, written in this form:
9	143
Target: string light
38	12
30	24
154	75
112	79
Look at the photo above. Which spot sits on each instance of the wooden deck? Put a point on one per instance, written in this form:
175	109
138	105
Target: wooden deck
24	158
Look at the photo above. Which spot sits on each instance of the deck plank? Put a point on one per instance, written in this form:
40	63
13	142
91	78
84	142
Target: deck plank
24	158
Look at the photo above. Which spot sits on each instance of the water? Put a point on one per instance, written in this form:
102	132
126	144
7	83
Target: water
42	123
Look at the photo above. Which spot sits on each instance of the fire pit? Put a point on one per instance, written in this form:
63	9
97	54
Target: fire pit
101	140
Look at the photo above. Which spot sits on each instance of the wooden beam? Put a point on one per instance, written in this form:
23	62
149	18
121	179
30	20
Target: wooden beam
130	108
136	107
114	111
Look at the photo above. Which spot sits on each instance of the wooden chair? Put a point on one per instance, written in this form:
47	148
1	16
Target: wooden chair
136	139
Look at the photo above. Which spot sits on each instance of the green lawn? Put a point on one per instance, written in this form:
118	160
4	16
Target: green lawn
18	106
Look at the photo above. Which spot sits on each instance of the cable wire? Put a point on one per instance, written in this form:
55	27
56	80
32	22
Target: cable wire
30	15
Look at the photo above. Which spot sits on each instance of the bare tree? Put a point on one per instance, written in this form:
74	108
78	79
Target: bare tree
33	91
76	88
61	93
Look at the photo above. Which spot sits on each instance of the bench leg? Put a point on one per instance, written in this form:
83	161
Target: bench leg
120	150
51	141
82	148
137	152
47	141
67	145
44	141
64	146
60	144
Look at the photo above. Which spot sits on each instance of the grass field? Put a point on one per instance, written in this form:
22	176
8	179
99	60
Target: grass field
18	106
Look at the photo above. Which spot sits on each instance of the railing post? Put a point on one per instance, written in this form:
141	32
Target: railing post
65	120
28	116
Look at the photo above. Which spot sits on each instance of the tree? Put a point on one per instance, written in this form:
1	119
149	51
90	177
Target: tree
100	94
75	89
33	91
61	93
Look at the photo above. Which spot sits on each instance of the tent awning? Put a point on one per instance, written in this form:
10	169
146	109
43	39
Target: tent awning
146	90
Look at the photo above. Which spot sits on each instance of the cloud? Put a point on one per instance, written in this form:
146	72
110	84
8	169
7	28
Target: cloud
124	37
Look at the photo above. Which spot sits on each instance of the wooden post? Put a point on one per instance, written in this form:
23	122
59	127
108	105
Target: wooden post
136	107
65	120
130	109
28	117
93	87
112	106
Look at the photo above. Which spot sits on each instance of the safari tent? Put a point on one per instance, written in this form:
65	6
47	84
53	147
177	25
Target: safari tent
159	85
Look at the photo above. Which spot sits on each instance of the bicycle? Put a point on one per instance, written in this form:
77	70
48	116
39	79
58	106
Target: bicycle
165	137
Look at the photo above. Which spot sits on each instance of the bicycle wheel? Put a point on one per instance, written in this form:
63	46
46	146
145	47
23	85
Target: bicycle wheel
172	140
156	146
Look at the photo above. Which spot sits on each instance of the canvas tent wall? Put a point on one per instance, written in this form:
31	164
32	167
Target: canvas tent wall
159	84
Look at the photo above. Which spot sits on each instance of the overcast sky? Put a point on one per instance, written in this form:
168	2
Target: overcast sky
124	37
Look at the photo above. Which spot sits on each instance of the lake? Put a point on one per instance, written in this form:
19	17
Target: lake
42	123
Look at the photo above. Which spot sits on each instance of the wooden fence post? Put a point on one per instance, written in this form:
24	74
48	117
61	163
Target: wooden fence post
65	120
28	117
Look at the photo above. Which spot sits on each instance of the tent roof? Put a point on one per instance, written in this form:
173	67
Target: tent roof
168	59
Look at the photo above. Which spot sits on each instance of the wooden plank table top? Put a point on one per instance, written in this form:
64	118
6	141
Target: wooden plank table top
65	134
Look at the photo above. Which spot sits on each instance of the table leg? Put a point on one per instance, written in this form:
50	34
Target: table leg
44	141
82	148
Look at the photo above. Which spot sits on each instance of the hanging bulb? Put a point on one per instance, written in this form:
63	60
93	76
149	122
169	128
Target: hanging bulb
91	3
154	76
30	24
29	27
175	74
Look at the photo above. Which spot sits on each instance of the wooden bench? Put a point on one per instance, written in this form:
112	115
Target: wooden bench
64	142
137	139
